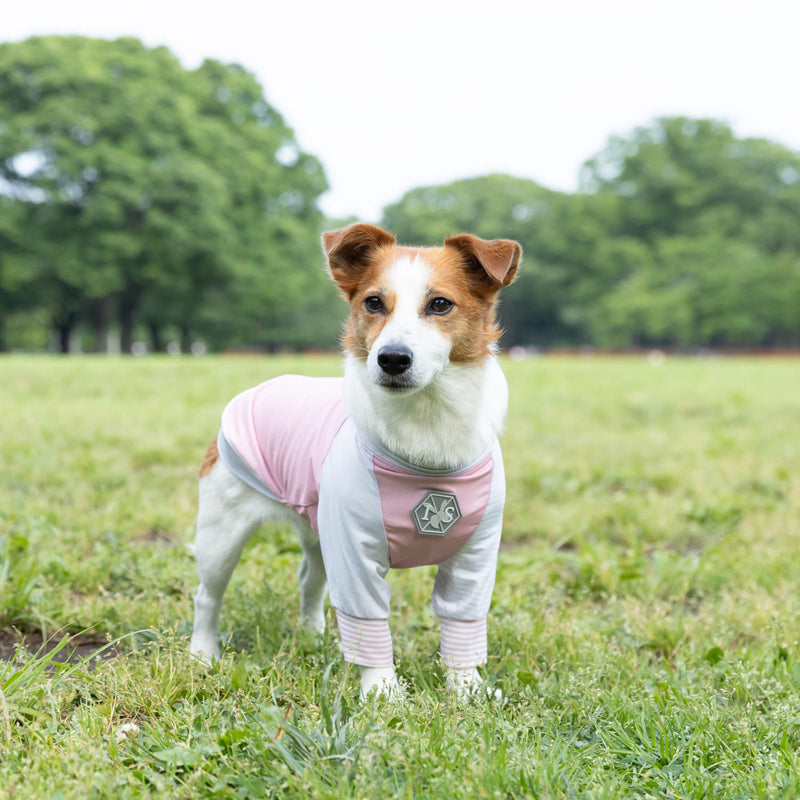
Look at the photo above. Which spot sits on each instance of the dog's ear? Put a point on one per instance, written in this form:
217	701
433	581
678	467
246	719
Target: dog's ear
497	259
350	252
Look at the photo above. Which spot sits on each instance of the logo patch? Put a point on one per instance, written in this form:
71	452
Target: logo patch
436	513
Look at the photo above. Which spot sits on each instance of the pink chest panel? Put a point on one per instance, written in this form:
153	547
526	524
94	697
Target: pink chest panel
428	518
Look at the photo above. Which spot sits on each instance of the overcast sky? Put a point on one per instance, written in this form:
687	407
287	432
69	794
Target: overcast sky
395	95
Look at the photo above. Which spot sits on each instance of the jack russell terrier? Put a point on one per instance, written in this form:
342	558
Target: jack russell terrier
395	465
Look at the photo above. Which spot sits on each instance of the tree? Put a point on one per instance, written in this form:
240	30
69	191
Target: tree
142	187
681	176
13	269
715	256
682	235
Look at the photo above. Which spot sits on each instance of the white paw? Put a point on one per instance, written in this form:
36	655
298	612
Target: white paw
205	649
382	682
467	684
315	623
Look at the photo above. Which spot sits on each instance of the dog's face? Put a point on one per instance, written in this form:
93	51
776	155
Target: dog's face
415	310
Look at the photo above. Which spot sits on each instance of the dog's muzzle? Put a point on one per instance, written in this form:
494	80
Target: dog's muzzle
395	361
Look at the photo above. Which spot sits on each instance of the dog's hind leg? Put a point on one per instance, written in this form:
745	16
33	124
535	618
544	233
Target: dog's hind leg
312	578
229	512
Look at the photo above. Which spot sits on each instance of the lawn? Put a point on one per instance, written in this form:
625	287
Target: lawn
644	630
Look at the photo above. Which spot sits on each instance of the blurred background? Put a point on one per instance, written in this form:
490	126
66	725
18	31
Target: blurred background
166	170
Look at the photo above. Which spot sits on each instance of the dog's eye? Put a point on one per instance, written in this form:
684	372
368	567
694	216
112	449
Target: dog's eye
374	304
439	305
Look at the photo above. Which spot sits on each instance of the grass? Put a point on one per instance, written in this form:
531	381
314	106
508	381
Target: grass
644	629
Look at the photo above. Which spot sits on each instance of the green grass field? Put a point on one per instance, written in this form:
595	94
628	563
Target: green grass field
644	630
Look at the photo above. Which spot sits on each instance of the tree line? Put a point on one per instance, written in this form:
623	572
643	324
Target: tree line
165	203
682	235
160	201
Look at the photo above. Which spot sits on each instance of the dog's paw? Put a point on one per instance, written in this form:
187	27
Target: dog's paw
467	684
315	624
205	650
380	682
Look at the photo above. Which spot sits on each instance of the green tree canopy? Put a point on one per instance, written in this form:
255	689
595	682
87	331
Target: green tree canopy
142	189
681	176
135	192
682	235
717	253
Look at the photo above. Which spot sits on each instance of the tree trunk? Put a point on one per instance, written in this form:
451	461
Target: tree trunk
156	342
128	306
126	327
186	340
64	325
101	313
63	332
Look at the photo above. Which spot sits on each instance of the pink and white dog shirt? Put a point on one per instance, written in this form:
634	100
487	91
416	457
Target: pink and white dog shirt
290	439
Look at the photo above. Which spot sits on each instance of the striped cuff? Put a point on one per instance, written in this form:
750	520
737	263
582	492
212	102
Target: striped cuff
366	642
463	644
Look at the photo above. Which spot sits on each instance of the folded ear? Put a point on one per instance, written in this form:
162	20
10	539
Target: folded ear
498	259
350	252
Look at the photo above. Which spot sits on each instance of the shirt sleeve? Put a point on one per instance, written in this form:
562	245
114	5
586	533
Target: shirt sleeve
465	582
352	536
366	642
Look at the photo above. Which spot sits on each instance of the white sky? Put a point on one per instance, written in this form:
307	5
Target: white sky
395	95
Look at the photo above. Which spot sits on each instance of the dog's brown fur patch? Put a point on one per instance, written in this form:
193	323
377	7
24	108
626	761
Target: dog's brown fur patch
212	456
467	271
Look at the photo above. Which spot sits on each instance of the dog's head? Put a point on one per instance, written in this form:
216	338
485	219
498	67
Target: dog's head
414	310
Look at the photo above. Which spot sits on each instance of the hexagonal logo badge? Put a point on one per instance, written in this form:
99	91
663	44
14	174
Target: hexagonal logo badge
436	513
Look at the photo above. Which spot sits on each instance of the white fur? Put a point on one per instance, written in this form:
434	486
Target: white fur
451	412
444	424
229	512
409	280
381	680
445	418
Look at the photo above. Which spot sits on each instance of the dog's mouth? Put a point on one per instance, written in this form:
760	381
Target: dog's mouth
396	383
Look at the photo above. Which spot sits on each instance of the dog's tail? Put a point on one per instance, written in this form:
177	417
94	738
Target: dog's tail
211	458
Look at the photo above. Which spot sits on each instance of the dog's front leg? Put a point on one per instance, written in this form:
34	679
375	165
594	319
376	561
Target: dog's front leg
367	643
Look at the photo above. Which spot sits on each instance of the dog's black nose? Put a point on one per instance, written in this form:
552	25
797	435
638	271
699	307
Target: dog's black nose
394	359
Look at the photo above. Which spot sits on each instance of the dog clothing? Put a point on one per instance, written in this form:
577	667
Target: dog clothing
290	439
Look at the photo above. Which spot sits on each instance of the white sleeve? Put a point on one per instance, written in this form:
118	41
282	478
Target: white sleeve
464	583
352	535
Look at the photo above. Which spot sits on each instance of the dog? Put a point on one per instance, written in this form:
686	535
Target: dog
395	465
